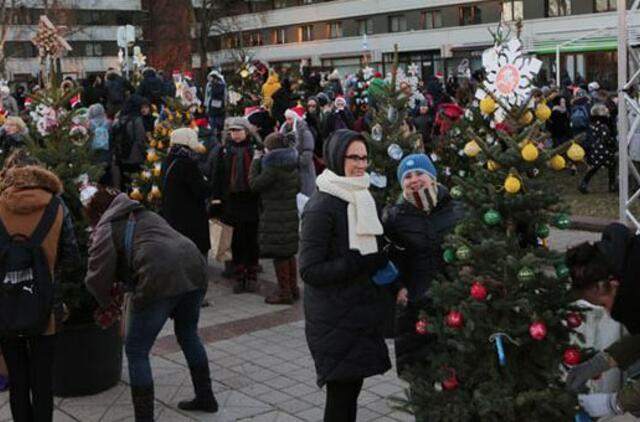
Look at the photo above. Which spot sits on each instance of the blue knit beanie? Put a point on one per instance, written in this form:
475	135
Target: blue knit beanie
416	162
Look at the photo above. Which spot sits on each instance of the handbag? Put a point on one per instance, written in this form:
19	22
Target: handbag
221	235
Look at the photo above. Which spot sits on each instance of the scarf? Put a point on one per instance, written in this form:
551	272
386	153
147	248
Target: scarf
240	163
425	199
362	214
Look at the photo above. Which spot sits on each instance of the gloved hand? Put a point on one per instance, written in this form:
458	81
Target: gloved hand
599	405
370	263
580	374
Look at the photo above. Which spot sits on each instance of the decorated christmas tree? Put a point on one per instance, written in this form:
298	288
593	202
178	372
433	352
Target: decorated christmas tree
245	86
502	322
147	185
389	140
360	95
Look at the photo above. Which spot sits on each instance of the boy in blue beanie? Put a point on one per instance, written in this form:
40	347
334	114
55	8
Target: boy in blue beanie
418	177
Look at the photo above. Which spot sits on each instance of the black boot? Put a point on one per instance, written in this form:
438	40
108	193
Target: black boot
239	285
142	397
205	401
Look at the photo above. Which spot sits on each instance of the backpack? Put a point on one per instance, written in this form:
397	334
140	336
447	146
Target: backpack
100	139
26	282
579	118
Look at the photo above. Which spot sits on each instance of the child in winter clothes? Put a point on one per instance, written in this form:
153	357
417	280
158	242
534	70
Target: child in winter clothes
100	130
602	148
234	202
275	177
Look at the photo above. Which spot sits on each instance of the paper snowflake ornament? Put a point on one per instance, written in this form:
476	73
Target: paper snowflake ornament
509	76
367	73
413	69
48	39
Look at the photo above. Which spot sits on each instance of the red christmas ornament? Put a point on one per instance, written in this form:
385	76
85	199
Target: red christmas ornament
421	327
451	383
574	320
455	319
478	291
572	356
538	330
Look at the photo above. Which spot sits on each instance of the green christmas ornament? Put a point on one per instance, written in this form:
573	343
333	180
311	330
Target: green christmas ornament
492	217
542	231
456	192
562	271
562	221
526	275
463	253
449	256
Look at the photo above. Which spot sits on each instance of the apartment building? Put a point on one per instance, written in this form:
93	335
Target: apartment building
435	34
92	29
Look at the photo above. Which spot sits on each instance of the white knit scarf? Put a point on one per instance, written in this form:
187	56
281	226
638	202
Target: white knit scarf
362	214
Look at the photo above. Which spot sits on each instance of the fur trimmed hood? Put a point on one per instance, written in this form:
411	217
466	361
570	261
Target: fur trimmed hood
284	157
24	190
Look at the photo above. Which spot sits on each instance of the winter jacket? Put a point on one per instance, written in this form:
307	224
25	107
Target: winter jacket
580	115
339	119
424	126
238	205
184	194
165	263
133	130
10	105
26	192
152	88
417	238
602	146
115	86
92	94
215	98
282	100
269	88
559	125
304	144
344	310
9	142
275	178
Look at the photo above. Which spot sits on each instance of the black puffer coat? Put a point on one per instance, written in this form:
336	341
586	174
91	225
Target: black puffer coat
184	197
275	177
344	310
420	237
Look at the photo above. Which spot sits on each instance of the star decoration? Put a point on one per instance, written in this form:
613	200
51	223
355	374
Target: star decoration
49	40
413	69
509	75
367	73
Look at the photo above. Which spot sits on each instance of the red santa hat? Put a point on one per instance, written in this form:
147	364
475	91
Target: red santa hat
27	102
295	113
340	98
188	75
175	73
202	122
74	101
440	75
378	74
250	110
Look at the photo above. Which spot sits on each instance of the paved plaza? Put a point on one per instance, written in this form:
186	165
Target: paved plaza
260	364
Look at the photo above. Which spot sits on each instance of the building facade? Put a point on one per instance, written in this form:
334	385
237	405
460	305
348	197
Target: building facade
437	35
92	27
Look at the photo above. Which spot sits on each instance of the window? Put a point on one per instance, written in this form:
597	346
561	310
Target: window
605	5
397	23
279	36
231	41
93	49
279	4
470	15
305	33
558	7
365	26
431	19
334	30
304	2
512	10
254	39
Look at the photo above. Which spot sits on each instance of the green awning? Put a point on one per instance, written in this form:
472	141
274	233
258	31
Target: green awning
581	46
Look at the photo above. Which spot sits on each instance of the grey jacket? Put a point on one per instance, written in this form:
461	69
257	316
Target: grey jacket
165	263
304	144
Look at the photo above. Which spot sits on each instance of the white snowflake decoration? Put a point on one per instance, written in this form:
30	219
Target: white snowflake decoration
139	59
509	75
367	73
234	97
413	69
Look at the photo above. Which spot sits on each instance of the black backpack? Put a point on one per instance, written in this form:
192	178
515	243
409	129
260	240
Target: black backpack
26	284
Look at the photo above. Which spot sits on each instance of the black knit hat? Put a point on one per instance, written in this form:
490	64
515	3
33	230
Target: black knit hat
336	147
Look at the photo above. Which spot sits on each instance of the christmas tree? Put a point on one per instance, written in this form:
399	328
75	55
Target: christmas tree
147	185
503	320
244	87
389	139
360	95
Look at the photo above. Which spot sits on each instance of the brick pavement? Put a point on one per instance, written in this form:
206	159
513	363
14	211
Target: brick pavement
260	364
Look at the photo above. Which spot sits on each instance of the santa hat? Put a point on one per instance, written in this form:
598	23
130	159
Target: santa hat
74	101
295	113
175	73
27	102
188	75
202	122
248	111
187	137
378	74
340	98
440	75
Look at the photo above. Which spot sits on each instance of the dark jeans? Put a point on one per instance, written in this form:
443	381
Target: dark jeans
342	400
30	362
244	244
145	324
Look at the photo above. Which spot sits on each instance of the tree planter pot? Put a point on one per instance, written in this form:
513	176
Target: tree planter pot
88	360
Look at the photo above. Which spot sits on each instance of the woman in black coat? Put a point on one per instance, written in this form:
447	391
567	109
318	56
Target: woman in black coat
339	253
185	189
559	124
417	226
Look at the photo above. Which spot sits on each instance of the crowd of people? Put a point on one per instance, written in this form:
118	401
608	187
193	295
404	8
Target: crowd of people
250	172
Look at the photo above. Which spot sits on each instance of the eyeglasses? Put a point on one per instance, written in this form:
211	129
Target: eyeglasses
358	158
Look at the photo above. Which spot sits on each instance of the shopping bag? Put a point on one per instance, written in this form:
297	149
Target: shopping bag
221	235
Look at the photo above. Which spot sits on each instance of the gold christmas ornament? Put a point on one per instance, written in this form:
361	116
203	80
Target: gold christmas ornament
526	118
135	194
543	112
557	162
471	149
155	192
157	169
487	105
529	152
512	184
492	165
575	152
